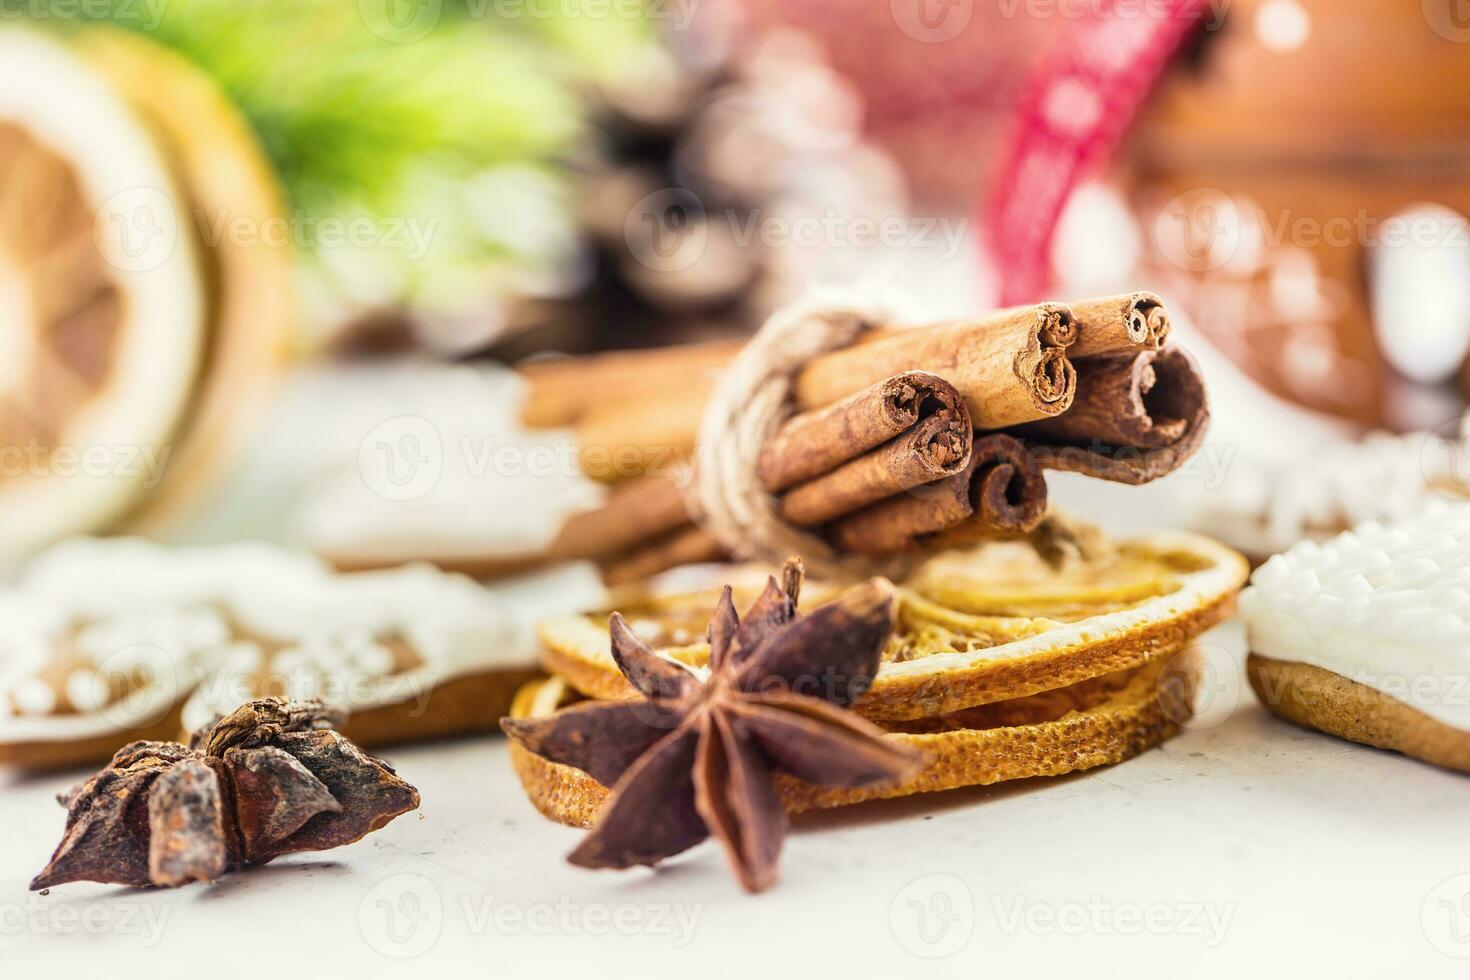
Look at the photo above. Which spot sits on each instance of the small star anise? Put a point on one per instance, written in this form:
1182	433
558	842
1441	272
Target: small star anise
694	759
271	778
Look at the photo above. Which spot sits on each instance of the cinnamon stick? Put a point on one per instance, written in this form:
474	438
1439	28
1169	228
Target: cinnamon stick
818	442
1001	492
634	512
645	431
1010	366
687	546
1132	321
936	448
560	391
1137	417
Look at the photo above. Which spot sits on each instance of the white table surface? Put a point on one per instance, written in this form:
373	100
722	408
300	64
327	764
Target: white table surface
1242	844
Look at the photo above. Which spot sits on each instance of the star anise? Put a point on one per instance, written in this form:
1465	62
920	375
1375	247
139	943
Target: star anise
271	778
692	759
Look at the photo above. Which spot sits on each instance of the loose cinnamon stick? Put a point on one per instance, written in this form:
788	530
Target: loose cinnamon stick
1010	366
687	546
1000	493
936	448
818	442
646	431
561	391
1137	417
635	512
1132	321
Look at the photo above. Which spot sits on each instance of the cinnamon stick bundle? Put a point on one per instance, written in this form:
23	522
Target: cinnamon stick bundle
1137	417
1009	367
1132	321
1001	492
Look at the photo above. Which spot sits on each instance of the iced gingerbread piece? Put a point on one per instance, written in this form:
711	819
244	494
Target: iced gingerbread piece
120	640
1265	510
1364	635
105	639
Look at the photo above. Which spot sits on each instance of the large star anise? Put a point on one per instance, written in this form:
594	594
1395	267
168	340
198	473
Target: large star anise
693	758
271	778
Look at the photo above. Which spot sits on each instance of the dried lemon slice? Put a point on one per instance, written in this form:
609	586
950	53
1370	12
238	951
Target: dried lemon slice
975	627
1098	722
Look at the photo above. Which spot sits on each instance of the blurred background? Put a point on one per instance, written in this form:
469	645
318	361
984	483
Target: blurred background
267	267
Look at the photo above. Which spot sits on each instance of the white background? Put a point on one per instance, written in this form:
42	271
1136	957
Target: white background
1242	844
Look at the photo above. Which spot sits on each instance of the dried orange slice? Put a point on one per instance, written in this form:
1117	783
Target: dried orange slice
103	305
238	209
1097	722
133	345
974	628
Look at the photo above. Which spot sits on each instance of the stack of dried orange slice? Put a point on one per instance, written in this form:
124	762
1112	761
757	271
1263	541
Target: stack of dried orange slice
1001	667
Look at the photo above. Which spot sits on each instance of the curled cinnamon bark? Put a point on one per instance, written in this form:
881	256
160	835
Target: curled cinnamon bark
820	441
1137	417
1132	321
936	448
1001	492
1010	366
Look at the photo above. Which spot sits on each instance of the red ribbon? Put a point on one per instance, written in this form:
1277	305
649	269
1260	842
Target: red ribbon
1072	114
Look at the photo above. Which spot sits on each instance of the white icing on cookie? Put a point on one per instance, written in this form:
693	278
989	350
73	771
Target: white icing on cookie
1380	478
1386	606
160	621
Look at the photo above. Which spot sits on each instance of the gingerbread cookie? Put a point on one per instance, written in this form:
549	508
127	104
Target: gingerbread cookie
116	640
1362	636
